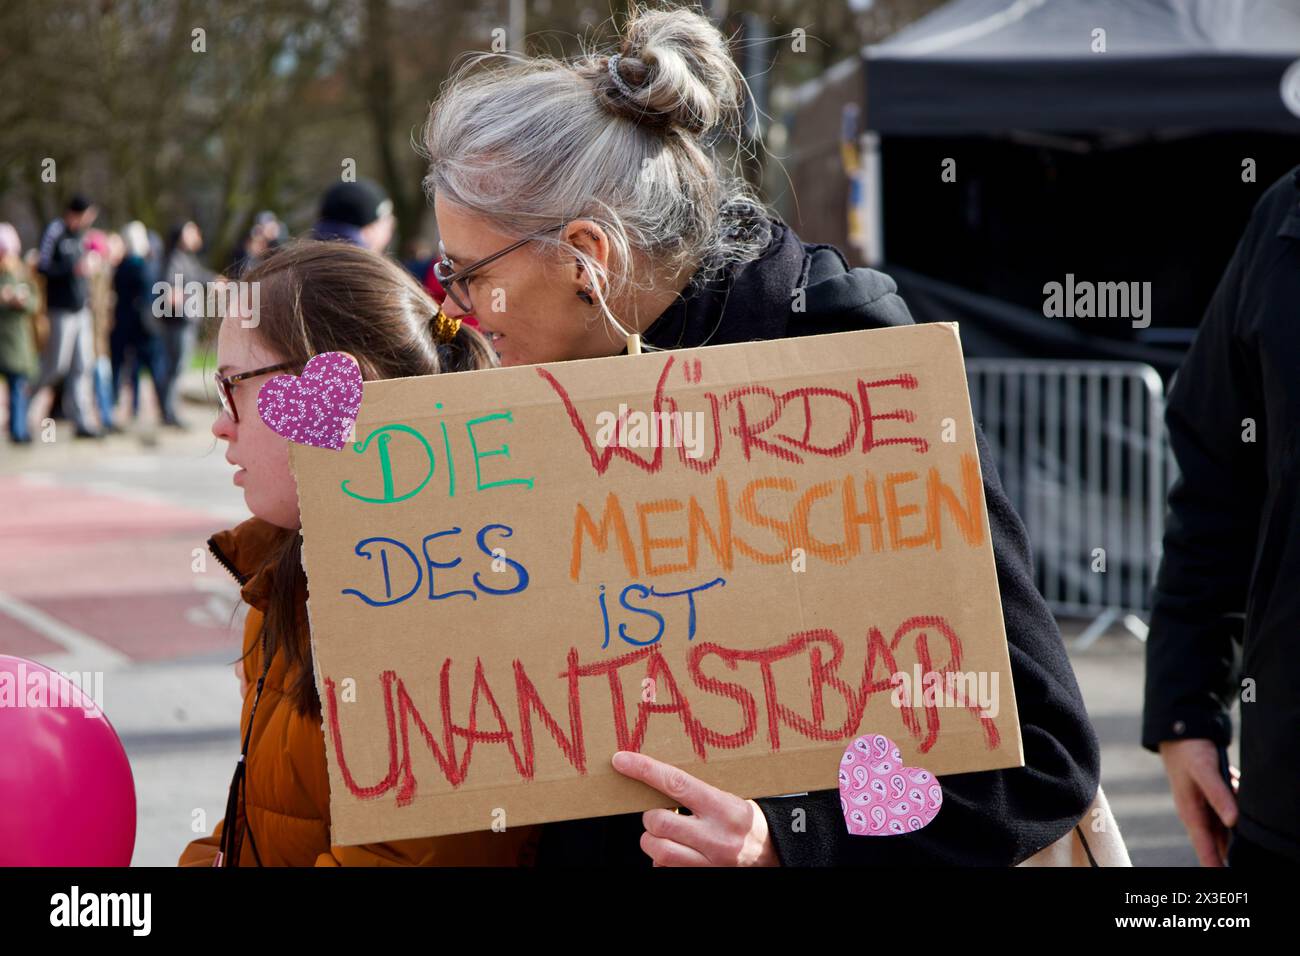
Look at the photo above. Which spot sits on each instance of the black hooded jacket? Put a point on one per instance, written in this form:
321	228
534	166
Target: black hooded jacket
989	818
1226	608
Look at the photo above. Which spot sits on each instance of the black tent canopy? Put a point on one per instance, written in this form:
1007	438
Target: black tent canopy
1140	163
976	66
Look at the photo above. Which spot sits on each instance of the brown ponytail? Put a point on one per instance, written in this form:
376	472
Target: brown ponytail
467	351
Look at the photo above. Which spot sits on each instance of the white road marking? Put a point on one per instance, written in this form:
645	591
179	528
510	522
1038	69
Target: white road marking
89	653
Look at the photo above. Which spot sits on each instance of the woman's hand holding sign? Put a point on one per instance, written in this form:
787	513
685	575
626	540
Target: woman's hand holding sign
723	830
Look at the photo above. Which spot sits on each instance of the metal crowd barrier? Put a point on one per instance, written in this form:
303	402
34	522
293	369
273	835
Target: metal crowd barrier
1083	456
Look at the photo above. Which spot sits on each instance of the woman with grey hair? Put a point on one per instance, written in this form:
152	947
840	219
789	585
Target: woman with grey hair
580	201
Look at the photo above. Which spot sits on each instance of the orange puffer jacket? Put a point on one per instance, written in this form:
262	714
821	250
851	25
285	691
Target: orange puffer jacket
287	786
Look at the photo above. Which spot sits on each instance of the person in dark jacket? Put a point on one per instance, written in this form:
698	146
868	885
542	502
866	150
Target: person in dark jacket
180	323
134	341
581	203
1226	611
70	349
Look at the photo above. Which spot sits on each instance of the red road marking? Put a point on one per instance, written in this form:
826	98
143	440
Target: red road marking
117	569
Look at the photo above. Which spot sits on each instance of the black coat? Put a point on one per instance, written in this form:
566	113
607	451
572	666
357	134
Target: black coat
61	252
995	817
133	313
1232	541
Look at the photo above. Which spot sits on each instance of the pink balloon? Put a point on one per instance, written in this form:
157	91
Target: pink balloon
66	793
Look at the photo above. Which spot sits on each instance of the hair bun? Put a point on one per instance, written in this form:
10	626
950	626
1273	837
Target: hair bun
673	71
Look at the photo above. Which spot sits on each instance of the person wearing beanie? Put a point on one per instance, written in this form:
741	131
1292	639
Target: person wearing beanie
356	212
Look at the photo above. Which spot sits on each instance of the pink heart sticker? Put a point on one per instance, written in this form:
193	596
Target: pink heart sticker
317	408
881	797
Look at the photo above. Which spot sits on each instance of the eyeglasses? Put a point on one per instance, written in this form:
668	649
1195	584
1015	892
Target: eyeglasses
457	282
225	383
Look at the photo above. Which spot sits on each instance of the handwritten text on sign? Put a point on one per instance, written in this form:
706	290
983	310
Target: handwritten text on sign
735	559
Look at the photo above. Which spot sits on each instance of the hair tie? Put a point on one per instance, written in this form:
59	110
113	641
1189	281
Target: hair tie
444	326
617	79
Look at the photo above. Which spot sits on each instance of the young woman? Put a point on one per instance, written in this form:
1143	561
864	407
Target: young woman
592	198
314	297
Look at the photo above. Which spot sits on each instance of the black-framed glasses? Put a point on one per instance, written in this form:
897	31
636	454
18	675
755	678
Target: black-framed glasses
457	282
225	383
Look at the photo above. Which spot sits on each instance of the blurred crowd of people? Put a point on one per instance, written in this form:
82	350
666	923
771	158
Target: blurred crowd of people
88	297
83	312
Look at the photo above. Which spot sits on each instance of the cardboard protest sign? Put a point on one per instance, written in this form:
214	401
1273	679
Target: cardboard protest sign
736	559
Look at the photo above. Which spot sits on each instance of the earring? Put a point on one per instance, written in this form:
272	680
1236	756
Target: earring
584	294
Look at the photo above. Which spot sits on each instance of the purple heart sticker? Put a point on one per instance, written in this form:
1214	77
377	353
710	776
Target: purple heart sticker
318	407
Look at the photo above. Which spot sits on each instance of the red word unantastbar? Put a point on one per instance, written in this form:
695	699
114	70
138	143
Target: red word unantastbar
762	705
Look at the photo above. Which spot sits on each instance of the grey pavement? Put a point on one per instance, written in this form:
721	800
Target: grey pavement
1110	674
177	712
